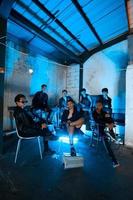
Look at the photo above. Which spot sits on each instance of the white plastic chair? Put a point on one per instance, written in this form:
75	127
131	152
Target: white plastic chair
26	138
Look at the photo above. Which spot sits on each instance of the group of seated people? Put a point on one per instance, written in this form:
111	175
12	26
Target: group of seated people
35	122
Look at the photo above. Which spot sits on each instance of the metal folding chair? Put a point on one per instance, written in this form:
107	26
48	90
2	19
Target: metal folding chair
26	138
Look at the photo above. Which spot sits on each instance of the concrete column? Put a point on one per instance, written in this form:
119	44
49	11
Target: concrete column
3	30
80	78
129	106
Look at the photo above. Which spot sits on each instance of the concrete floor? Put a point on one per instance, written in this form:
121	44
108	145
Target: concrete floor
32	178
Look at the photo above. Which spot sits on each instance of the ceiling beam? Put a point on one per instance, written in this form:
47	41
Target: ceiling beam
5	7
86	19
45	24
52	16
87	55
28	25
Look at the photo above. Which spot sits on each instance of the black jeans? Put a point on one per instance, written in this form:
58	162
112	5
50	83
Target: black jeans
107	144
108	147
87	116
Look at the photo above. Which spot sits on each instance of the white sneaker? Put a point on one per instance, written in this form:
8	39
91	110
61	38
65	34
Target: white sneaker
118	141
116	165
54	132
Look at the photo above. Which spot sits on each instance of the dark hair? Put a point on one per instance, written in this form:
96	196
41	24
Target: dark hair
83	90
18	97
64	91
105	90
43	85
71	100
99	101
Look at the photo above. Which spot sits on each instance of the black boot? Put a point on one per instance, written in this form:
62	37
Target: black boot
47	150
73	151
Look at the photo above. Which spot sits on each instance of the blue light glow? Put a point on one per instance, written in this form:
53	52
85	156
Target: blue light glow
65	139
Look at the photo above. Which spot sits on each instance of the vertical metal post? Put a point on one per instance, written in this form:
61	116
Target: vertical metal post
3	30
80	77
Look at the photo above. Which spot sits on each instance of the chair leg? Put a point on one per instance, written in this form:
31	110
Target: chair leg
40	149
17	150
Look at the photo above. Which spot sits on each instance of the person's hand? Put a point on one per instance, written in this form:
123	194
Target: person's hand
68	122
43	126
72	124
107	115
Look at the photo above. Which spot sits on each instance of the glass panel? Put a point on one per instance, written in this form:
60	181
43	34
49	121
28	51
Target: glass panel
113	22
18	31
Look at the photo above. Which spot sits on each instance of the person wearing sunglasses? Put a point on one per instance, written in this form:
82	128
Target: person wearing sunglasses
30	126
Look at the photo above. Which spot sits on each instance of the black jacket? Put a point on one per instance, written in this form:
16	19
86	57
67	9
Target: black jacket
63	103
76	115
100	117
25	122
40	100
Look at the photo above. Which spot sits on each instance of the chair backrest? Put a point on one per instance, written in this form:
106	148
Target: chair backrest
17	129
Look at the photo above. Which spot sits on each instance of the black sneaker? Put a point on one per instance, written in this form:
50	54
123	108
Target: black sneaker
51	138
73	151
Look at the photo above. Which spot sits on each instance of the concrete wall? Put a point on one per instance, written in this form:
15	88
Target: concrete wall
19	80
73	81
107	69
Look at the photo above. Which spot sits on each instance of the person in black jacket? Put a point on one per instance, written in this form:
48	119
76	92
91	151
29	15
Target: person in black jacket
40	99
104	120
106	101
63	104
30	126
85	103
73	119
40	104
85	100
63	100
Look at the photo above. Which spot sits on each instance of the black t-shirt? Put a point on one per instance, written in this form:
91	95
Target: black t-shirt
75	116
85	100
107	103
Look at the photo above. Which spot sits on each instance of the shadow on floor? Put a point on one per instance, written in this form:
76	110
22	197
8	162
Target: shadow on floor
32	178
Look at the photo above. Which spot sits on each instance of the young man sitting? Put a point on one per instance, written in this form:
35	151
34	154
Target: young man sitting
28	126
73	119
105	121
85	103
106	101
